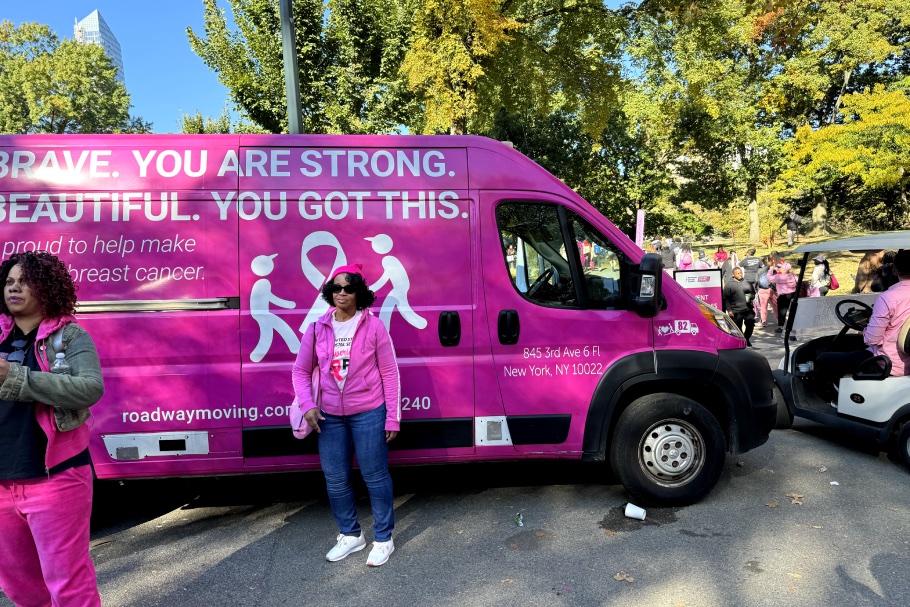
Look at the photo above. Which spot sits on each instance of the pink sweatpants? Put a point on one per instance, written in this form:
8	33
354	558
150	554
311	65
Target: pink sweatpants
44	540
766	296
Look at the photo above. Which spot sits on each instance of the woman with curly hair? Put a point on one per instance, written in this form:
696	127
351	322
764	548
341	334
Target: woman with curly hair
357	409
45	476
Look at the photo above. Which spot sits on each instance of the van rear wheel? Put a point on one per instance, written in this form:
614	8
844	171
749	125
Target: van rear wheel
667	450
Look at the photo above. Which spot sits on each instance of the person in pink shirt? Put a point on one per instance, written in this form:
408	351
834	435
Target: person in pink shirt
782	276
891	310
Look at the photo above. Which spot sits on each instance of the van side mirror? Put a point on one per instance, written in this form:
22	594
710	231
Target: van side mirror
646	286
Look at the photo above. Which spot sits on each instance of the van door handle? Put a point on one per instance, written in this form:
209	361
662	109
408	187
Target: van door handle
508	327
449	328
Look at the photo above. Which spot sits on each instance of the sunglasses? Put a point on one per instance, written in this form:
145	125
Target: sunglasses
19	355
336	288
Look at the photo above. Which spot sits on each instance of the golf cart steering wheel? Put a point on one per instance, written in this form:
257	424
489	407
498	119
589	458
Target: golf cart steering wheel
540	280
856	317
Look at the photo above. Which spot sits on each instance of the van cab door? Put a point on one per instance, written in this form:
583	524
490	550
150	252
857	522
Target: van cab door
556	294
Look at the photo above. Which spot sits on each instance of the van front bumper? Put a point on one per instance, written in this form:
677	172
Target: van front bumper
745	377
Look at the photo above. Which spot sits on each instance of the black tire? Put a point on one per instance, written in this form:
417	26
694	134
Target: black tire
689	435
903	444
784	418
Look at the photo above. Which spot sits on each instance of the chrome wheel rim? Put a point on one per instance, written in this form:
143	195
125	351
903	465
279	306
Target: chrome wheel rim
671	452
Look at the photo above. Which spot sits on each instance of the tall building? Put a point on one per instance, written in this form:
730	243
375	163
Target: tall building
94	30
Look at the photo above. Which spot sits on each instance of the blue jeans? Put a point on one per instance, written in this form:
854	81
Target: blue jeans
363	434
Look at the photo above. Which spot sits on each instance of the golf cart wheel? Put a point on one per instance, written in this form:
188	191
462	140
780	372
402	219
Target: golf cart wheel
667	450
784	418
903	444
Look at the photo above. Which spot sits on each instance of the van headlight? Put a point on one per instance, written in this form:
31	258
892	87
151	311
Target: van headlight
719	319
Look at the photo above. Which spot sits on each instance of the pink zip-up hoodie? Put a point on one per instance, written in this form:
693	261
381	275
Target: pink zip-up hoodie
372	377
785	281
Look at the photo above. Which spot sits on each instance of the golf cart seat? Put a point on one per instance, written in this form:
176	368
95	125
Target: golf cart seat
860	364
903	337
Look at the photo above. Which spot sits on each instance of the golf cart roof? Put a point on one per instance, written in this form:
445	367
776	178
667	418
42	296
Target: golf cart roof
872	242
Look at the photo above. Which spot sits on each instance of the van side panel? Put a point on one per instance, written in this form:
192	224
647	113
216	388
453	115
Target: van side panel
411	231
149	251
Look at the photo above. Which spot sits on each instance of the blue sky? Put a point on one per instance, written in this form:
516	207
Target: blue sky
163	75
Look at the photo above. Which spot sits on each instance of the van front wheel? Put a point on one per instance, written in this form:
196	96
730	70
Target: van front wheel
667	450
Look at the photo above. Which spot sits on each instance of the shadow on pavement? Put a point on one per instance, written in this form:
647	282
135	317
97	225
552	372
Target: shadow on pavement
119	505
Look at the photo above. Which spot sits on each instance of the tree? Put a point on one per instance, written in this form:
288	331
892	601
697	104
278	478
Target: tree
47	86
197	125
868	153
705	68
468	60
835	49
348	53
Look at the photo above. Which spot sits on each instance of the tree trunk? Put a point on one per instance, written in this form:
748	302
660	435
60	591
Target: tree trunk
820	215
904	205
754	226
459	126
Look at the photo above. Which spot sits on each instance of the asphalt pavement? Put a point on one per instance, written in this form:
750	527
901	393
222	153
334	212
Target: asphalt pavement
809	518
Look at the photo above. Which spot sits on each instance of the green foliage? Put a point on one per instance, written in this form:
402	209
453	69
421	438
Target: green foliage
199	125
679	107
468	59
868	154
348	56
47	86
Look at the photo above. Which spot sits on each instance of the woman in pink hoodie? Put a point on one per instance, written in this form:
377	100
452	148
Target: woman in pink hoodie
782	276
358	408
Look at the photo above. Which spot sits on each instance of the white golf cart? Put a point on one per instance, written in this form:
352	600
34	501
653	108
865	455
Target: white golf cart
827	378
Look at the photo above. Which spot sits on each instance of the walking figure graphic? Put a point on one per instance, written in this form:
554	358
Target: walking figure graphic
395	274
261	297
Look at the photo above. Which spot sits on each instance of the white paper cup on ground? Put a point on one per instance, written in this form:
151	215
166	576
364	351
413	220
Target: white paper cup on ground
633	511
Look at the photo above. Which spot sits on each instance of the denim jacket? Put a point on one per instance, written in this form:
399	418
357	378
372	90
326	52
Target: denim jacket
79	390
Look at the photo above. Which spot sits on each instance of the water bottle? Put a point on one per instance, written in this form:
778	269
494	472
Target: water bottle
60	365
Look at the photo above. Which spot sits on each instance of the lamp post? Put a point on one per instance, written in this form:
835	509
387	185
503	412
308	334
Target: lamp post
291	79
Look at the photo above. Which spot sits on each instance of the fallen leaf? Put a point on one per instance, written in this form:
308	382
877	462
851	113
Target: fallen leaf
816	526
609	533
772	504
796	575
459	531
619	577
97	543
507	581
795	498
540	533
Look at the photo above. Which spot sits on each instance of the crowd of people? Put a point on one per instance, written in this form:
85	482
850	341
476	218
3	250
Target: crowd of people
751	285
754	285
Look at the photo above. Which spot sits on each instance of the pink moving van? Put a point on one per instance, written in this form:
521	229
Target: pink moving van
526	324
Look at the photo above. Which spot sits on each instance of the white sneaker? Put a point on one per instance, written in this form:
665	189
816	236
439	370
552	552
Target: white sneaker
345	546
380	553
